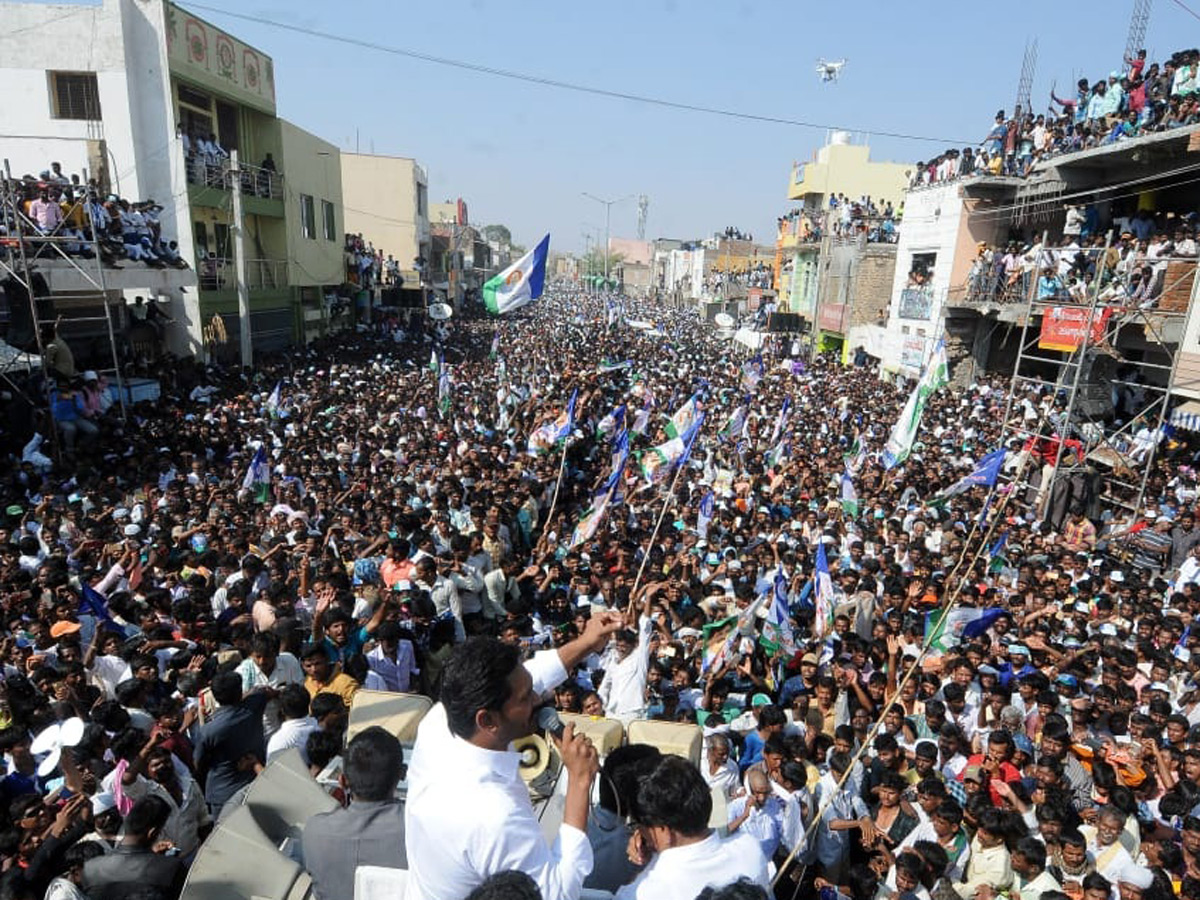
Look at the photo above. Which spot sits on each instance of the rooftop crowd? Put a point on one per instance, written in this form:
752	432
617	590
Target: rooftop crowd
53	204
1131	101
1039	740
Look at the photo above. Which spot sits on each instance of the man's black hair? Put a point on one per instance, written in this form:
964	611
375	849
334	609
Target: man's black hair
294	701
742	889
674	795
623	769
476	677
148	814
373	764
227	688
512	885
1033	850
326	703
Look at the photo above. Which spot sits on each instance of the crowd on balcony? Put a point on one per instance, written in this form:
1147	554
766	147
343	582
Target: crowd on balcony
759	275
1129	270
207	162
364	264
88	220
1136	100
846	218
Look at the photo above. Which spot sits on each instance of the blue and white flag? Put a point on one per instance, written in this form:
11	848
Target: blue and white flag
258	476
520	283
704	515
544	438
611	423
777	629
683	418
275	401
823	617
752	373
849	496
781	420
984	475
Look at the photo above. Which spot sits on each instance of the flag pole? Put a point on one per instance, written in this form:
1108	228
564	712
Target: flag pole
662	515
562	465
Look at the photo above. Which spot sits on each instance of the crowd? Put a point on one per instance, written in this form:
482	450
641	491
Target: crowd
900	695
1130	268
207	163
55	205
1128	103
365	265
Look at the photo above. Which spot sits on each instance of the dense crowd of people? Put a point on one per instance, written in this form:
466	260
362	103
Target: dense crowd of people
1136	100
907	686
1126	257
83	216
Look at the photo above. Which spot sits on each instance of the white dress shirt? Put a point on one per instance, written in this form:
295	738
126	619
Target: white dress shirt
396	674
681	873
292	733
287	671
468	814
623	690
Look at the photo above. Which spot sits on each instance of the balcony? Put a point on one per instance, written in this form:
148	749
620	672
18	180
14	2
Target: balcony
220	274
796	231
211	185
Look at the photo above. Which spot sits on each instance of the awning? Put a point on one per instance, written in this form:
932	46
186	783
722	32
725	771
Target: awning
1186	416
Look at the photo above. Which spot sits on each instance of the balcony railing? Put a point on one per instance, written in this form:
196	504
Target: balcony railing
219	274
256	181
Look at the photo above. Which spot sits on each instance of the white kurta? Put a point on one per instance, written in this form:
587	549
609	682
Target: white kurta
683	872
468	814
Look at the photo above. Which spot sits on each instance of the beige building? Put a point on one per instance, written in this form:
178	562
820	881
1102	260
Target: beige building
387	202
315	223
844	168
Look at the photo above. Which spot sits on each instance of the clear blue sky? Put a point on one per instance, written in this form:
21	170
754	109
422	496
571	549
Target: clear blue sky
521	154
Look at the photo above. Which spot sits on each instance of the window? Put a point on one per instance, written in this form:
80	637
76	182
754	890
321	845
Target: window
422	200
328	220
74	95
193	97
308	217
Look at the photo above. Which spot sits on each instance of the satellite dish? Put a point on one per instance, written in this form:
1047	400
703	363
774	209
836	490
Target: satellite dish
535	756
724	320
440	311
52	740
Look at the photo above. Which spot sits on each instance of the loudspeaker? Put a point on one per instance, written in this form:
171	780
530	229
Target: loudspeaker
390	296
783	322
678	738
606	734
284	796
397	714
239	862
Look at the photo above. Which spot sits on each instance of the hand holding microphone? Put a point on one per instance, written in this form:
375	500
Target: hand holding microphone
578	754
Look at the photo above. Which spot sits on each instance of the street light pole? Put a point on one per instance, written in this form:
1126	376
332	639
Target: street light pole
608	205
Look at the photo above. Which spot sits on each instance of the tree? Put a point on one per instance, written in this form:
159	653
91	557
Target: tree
594	261
498	233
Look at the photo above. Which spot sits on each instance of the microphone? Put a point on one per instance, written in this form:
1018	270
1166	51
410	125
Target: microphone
548	720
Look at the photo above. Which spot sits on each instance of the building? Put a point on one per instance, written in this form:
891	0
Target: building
834	269
387	202
157	81
462	257
632	264
316	226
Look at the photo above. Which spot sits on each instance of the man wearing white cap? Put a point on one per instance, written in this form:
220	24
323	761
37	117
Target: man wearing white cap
1133	880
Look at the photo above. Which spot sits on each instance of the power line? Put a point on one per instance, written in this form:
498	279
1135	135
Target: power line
481	69
1187	9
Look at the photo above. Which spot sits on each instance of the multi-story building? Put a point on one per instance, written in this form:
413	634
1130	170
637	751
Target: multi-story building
835	272
387	202
132	112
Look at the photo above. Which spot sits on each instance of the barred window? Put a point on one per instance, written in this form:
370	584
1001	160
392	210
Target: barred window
74	95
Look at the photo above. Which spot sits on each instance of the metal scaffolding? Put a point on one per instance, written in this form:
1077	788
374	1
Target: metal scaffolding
1111	390
27	255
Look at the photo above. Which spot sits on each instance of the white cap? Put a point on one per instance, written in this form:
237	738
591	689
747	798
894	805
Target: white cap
132	530
102	803
1138	876
89	375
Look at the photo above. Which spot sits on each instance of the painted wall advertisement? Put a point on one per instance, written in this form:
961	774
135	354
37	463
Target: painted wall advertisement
912	352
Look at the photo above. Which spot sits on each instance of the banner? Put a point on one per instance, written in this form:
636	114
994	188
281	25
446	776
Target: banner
1063	327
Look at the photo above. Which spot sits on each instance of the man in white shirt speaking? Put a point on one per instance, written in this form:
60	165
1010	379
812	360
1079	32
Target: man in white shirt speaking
468	815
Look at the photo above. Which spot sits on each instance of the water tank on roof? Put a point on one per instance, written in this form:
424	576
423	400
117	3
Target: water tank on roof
840	137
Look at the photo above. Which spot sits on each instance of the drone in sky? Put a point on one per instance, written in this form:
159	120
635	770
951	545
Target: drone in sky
829	71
